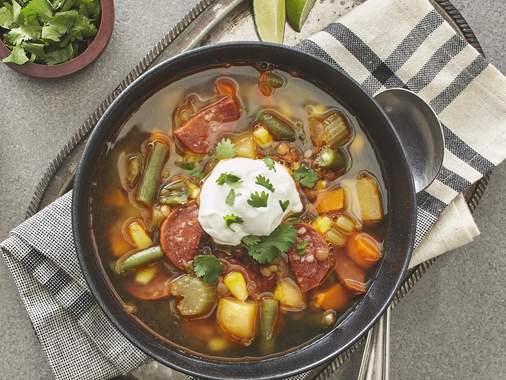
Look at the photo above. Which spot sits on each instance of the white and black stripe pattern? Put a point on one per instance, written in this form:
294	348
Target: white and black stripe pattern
79	340
379	56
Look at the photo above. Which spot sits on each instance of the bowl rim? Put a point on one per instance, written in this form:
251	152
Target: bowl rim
307	356
88	56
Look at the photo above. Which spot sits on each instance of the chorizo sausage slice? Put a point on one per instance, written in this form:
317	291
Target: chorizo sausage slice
180	235
309	271
201	132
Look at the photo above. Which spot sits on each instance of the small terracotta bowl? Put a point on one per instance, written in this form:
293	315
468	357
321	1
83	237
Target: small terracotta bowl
92	52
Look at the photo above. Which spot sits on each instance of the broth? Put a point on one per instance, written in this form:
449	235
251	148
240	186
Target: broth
291	101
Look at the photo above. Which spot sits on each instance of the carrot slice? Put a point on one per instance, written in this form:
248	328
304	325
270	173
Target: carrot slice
363	249
330	200
350	274
334	297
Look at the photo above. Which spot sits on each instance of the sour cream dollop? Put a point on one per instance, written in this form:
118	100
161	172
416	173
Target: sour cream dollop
260	221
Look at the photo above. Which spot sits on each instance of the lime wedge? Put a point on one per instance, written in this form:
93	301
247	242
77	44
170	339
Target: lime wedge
270	16
297	12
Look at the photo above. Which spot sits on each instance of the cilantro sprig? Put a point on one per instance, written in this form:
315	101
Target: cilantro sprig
232	219
265	182
230	199
258	199
228	178
208	268
269	162
265	249
48	32
307	177
284	204
225	149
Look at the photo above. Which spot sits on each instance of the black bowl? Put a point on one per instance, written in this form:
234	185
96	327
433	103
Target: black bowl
399	233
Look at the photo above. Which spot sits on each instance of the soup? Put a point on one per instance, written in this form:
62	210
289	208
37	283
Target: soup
239	212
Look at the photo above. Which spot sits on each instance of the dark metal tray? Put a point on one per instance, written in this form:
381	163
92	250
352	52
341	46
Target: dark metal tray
208	22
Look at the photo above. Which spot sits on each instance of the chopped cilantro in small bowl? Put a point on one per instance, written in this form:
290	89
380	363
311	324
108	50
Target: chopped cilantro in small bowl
53	38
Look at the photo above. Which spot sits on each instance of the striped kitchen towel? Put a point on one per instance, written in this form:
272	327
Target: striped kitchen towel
406	43
381	44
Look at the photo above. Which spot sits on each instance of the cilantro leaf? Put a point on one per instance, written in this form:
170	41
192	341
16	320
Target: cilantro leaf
6	16
50	32
17	56
232	219
83	28
208	268
60	55
35	49
39	8
265	249
265	182
230	199
269	162
307	177
90	8
284	204
225	149
16	9
257	199
228	178
45	36
301	247
22	33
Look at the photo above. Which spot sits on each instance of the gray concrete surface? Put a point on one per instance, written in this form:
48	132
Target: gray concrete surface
451	327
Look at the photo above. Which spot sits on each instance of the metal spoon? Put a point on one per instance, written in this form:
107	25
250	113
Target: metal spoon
422	140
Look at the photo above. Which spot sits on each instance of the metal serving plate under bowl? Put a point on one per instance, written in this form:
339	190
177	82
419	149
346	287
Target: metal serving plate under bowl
212	21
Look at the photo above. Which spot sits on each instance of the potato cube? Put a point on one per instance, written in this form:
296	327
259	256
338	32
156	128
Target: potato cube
289	294
369	199
238	319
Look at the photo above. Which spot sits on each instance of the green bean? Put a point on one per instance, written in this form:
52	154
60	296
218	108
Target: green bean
331	159
148	187
138	259
134	168
269	308
174	192
278	126
174	199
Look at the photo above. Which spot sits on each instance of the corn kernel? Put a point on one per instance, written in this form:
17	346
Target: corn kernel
246	147
262	137
145	275
321	185
139	236
322	224
282	148
218	344
236	284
